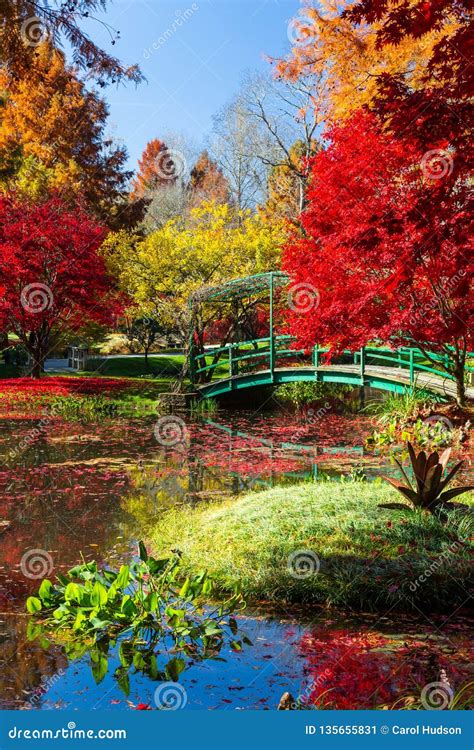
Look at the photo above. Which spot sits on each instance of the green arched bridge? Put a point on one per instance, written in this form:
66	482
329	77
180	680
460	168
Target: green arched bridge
271	361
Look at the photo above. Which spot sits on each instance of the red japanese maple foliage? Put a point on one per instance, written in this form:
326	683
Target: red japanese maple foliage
51	274
386	246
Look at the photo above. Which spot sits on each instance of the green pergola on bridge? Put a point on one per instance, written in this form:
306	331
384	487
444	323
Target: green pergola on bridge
271	360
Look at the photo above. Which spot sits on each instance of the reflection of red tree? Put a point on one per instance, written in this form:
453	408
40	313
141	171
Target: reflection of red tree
363	670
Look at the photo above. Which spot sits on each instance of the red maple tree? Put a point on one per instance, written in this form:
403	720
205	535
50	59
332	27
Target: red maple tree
51	274
386	246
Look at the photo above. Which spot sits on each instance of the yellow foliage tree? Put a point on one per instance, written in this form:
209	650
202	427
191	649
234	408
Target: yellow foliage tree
217	243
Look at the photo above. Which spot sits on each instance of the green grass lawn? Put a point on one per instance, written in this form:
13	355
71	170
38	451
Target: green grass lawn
369	558
164	368
134	367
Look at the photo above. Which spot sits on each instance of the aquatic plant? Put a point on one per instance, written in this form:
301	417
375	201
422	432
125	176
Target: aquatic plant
301	394
204	406
137	607
430	492
82	408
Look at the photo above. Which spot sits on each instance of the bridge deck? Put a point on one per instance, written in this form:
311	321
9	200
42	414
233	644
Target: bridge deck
390	378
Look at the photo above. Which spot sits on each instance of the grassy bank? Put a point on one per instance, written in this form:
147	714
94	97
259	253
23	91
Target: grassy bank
135	367
326	543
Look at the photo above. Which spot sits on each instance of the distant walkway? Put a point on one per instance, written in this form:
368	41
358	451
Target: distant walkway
57	365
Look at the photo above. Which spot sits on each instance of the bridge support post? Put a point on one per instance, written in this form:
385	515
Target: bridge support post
316	360
412	366
232	364
362	365
272	337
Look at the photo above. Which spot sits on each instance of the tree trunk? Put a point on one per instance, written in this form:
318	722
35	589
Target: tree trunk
460	387
146	359
37	367
38	348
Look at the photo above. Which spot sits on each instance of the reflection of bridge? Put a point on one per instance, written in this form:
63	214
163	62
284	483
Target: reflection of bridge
312	453
271	361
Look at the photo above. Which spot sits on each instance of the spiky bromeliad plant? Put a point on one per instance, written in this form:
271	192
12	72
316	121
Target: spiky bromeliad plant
430	492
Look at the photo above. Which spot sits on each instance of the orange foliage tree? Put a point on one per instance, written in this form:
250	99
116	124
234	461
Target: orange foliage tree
207	182
329	40
52	138
156	168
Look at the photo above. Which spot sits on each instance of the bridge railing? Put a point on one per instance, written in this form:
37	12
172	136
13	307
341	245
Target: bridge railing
265	353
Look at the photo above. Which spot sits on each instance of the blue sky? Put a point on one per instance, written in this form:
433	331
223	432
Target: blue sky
192	68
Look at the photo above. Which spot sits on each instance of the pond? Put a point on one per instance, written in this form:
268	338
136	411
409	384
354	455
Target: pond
72	491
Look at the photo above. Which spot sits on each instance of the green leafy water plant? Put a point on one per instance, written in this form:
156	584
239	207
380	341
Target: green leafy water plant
82	408
205	406
430	491
146	609
301	394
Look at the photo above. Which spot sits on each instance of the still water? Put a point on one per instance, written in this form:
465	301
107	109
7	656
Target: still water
70	491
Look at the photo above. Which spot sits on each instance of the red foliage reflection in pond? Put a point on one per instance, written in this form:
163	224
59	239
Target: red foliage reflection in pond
366	670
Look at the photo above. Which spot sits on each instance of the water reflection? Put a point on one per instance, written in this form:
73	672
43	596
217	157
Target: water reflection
93	490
